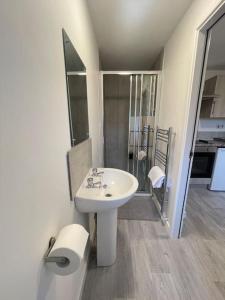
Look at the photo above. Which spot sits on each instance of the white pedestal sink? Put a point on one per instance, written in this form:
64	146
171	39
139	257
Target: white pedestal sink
116	189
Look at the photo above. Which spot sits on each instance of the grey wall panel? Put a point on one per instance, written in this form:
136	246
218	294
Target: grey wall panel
116	120
80	161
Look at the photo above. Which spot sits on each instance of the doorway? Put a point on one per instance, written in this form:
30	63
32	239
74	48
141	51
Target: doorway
204	206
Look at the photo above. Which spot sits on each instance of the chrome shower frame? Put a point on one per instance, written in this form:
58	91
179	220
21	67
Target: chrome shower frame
153	108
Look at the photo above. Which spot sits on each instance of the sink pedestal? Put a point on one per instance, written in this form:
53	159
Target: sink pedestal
118	187
106	237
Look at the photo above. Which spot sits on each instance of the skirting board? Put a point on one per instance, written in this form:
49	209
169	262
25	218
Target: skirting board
85	267
142	194
92	236
200	180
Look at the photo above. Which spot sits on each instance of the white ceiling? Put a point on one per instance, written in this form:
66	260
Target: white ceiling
131	33
216	58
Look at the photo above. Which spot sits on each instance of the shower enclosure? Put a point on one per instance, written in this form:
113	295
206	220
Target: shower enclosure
130	115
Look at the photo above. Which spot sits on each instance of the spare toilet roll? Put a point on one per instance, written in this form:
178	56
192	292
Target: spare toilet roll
70	243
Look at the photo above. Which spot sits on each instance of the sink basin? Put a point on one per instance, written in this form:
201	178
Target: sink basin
121	186
117	187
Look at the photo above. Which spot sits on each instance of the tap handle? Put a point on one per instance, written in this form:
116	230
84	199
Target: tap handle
94	171
90	180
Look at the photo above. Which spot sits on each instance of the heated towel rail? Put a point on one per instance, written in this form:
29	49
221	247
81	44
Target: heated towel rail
163	139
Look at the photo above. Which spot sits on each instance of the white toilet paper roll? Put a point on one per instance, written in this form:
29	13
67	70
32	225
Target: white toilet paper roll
70	243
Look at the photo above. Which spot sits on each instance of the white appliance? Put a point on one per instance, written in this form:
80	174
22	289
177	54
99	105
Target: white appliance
218	174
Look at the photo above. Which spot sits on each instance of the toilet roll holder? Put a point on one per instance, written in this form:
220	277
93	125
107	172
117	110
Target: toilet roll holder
60	260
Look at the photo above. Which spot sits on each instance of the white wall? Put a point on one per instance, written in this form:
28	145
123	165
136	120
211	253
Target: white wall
34	140
179	60
212	125
158	64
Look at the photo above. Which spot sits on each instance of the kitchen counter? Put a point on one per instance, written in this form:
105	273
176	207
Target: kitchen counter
211	143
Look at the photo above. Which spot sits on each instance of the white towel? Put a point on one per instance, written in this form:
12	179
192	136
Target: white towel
156	175
141	155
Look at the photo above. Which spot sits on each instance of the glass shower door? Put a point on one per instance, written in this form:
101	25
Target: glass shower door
141	127
129	121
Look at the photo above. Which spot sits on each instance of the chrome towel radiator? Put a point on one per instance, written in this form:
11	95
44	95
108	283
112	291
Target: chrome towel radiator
161	157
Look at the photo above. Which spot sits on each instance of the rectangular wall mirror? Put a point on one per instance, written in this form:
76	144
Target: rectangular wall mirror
76	92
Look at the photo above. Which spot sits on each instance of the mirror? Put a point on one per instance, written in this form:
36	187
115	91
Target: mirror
76	92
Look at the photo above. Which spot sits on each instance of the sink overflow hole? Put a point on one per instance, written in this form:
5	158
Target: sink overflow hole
108	195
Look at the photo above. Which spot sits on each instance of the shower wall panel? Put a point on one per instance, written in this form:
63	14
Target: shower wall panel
116	89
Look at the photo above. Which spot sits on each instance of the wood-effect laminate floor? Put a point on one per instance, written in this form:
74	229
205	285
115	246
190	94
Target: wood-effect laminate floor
153	267
205	214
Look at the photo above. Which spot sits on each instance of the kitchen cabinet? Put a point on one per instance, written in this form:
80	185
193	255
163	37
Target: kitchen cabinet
213	102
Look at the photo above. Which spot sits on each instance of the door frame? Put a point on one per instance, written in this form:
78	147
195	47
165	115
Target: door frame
196	91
